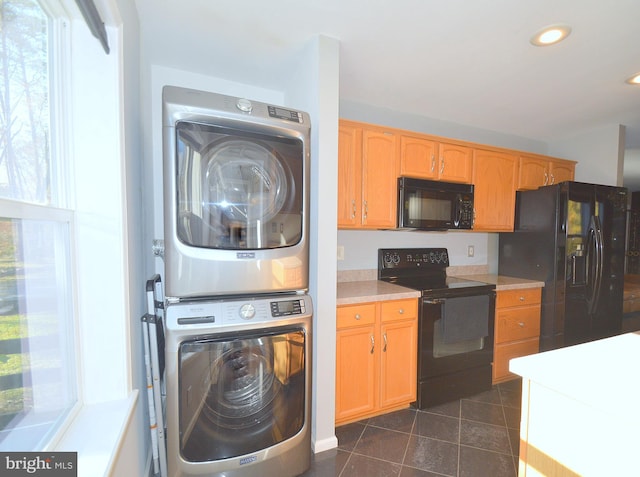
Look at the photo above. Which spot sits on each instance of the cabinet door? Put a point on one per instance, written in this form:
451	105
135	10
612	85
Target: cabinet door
504	353
356	377
562	171
349	175
494	177
514	324
418	157
399	352
533	173
379	182
456	163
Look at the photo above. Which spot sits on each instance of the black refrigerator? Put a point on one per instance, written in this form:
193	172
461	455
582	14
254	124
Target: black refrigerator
571	236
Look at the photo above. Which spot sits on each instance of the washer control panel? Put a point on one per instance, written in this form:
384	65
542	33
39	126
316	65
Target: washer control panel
237	311
288	307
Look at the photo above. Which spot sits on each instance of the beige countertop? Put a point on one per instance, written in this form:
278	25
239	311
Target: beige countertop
352	292
371	290
503	282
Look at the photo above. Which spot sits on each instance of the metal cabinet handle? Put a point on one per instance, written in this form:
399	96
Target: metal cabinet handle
522	298
546	178
433	162
366	210
373	344
384	336
401	311
353	208
553	179
357	317
521	324
441	165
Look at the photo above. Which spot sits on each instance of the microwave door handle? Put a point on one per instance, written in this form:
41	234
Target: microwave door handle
457	213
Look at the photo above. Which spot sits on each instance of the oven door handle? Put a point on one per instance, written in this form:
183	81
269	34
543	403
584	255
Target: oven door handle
433	301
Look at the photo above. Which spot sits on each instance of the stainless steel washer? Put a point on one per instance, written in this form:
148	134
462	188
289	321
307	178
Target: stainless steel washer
239	386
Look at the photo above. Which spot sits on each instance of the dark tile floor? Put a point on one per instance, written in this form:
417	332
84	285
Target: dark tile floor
473	437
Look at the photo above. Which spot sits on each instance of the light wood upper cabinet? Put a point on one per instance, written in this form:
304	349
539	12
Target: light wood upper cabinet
538	171
349	175
418	157
371	158
494	178
435	160
379	179
367	177
562	171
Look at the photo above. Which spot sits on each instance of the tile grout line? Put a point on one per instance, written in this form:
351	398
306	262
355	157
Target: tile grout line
406	449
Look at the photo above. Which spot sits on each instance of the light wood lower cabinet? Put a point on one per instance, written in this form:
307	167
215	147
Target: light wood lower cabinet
517	328
376	362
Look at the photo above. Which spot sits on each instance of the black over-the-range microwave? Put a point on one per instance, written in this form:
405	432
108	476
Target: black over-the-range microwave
434	205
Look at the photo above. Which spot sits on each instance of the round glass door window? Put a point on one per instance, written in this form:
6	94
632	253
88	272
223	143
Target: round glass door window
245	182
238	191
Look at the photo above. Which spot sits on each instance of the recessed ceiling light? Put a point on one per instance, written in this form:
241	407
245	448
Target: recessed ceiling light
635	79
550	35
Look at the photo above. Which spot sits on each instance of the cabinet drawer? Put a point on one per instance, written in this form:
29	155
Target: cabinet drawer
355	315
399	310
519	297
515	324
503	353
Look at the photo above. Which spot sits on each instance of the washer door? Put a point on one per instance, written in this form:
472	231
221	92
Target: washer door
237	190
240	395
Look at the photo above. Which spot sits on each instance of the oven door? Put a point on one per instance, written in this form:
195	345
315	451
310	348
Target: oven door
455	352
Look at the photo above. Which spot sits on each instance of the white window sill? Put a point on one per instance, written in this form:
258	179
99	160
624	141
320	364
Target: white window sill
97	434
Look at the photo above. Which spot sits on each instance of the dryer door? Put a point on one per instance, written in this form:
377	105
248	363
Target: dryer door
237	189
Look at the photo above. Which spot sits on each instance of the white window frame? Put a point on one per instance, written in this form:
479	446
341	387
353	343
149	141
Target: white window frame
88	85
59	210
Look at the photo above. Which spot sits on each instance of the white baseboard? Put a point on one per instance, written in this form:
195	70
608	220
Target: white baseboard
324	444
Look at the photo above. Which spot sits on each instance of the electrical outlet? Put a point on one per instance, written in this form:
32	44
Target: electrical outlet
340	252
470	251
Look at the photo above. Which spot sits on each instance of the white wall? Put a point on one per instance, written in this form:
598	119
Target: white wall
427	125
316	88
361	247
599	151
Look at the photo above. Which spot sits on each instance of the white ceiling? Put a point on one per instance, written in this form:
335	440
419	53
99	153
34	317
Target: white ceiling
465	61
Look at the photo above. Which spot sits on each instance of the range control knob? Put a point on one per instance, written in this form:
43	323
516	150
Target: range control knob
247	311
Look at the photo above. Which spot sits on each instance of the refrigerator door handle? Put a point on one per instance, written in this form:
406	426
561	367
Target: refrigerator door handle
594	267
599	262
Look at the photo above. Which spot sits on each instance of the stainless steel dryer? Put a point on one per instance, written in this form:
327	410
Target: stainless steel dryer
235	195
239	386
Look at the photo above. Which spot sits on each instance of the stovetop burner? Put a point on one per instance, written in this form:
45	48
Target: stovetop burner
423	269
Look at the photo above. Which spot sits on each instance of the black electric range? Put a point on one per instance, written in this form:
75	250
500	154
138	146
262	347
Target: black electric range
425	270
455	324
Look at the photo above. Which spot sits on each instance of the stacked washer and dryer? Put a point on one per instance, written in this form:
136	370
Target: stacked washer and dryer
237	312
